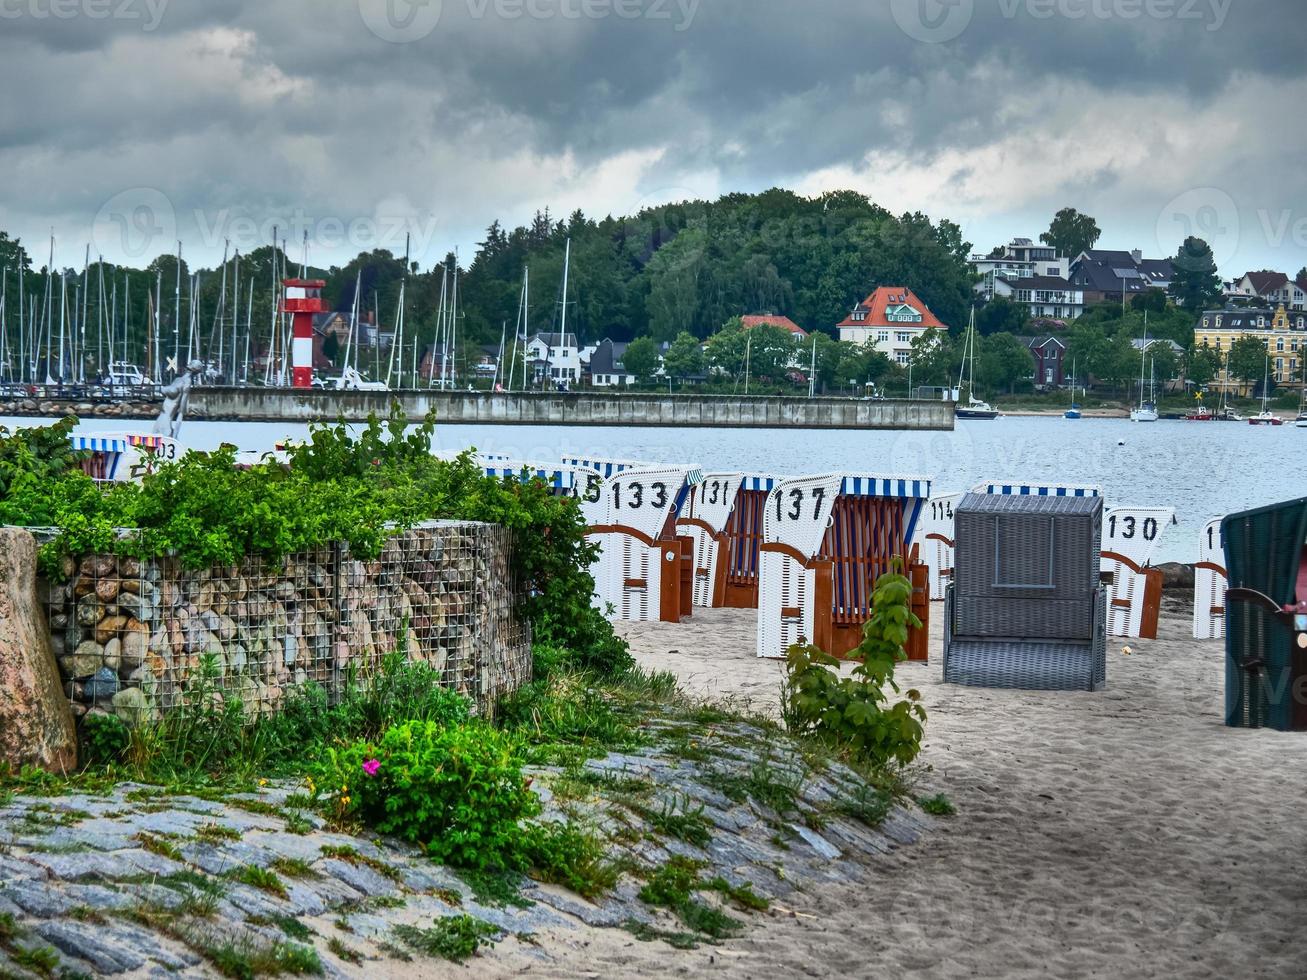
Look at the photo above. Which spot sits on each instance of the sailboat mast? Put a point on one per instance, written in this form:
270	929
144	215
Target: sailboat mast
86	292
177	315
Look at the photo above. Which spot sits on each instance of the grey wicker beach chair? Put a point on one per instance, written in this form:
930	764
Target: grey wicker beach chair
1026	608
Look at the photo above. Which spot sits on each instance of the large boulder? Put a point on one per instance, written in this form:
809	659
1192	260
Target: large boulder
36	722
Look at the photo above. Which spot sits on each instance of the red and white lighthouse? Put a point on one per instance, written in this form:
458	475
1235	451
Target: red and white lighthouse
302	298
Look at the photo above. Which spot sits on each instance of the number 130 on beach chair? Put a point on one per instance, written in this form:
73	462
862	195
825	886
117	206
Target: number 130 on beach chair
826	540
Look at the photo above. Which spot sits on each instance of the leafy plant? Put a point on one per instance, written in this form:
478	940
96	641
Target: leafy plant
105	739
854	711
673	887
938	805
456	938
457	790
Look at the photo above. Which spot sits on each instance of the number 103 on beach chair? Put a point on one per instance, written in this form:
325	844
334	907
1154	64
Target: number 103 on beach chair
645	572
826	539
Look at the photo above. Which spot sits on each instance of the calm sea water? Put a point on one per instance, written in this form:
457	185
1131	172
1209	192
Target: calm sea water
1202	470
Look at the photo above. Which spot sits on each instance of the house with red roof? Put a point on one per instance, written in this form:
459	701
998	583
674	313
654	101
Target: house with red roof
784	322
891	318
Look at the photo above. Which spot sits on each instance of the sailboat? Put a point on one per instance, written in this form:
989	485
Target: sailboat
1266	416
1074	411
1301	421
1147	410
974	408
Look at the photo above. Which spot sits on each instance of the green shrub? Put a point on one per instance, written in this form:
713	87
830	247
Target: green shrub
562	854
105	739
938	805
458	790
854	712
355	485
455	938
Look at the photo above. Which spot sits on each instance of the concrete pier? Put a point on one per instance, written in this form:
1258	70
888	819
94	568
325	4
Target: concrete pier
572	408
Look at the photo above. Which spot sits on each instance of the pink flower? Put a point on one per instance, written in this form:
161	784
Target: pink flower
371	766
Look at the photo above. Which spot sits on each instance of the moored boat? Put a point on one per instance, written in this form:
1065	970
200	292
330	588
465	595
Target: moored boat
1266	416
974	407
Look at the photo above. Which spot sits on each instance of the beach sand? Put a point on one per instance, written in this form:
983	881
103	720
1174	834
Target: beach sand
1121	834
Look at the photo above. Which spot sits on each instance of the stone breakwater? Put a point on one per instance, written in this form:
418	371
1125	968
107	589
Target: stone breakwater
131	636
48	408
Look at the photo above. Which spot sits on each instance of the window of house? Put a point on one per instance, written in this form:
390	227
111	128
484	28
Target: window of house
903	337
902	356
1279	343
882	337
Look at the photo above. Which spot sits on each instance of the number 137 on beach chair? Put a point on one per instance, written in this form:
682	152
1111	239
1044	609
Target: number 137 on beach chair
826	540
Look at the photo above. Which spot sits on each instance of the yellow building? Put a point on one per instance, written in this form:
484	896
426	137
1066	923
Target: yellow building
1283	333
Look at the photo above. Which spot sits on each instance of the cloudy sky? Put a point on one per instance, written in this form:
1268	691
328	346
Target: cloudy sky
130	123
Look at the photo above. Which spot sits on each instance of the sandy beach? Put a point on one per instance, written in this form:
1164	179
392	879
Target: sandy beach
1120	834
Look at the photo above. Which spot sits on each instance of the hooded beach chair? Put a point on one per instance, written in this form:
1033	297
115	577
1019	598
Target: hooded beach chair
1025	609
934	541
1210	583
826	540
645	571
1266	617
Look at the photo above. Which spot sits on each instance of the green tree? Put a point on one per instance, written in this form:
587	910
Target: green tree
1194	281
1003	361
771	350
1152	300
860	365
1071	232
934	358
1248	360
641	359
1002	315
330	347
684	357
1163	362
1202	365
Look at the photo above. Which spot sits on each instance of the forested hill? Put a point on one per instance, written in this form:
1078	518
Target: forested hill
688	266
692	266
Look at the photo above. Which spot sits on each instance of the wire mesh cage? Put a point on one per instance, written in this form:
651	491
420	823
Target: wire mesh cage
130	635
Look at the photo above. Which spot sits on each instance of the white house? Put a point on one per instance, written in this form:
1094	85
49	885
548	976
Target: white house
891	318
556	357
1046	296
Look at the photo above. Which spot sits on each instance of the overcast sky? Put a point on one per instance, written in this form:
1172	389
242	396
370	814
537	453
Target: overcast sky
130	123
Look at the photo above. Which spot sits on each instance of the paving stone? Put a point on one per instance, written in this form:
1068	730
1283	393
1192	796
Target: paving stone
170	955
91	943
77	837
430	877
360	877
183	823
303	899
97	897
218	859
303	847
37	898
587	912
253	901
817	842
16	869
97	864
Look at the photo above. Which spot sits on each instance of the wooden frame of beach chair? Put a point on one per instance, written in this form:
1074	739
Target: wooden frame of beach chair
645	572
1134	596
1210	583
826	539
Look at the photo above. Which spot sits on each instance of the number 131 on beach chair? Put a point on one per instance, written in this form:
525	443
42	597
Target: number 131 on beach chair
826	540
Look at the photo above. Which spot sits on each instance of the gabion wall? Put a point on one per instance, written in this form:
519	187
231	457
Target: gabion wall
130	635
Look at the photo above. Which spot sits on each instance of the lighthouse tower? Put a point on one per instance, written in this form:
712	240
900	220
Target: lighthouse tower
302	298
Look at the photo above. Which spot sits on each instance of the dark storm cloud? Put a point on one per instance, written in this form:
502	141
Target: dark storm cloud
497	106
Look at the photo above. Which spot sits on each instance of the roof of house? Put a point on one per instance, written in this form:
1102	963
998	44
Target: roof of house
607	358
878	305
1138	344
1037	282
784	322
1158	270
1038	343
1107	278
1245	318
1266	281
555	339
